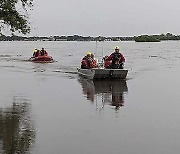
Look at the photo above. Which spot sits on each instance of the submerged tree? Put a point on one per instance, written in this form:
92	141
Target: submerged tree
14	14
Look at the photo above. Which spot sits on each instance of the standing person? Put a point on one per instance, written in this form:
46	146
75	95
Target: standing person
43	52
116	59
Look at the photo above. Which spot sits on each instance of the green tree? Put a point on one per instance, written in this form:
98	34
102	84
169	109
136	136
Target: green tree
147	38
14	15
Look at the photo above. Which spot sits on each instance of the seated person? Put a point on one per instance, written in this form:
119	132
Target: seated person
36	52
107	63
94	61
43	52
88	62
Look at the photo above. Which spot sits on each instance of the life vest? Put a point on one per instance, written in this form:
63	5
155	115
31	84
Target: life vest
43	53
93	64
84	63
107	64
116	58
36	54
88	62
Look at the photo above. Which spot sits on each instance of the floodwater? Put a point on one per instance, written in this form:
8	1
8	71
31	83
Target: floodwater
49	109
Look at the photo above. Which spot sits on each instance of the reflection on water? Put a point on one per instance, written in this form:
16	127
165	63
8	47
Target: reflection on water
103	92
17	133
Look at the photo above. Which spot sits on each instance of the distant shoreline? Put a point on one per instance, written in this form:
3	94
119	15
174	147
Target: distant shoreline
64	38
140	38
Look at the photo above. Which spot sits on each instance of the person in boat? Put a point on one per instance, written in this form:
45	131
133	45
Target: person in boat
107	63
43	52
116	60
94	61
88	61
36	52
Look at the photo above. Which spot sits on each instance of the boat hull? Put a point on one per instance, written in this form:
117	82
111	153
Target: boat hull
101	73
42	59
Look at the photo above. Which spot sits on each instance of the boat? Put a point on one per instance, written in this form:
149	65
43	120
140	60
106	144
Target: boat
103	73
42	59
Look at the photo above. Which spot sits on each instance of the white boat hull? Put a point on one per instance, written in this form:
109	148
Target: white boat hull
101	73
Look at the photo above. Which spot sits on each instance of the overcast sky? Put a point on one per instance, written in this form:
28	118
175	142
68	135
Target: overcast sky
105	17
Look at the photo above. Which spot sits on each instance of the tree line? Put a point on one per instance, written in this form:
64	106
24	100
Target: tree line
156	38
141	38
63	38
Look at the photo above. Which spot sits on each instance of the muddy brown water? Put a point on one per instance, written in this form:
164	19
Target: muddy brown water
49	109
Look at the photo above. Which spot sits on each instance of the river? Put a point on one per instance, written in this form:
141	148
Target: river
48	109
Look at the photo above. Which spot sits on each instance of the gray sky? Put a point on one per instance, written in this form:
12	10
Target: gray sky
105	17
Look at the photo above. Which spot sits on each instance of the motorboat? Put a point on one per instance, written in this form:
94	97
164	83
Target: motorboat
103	73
